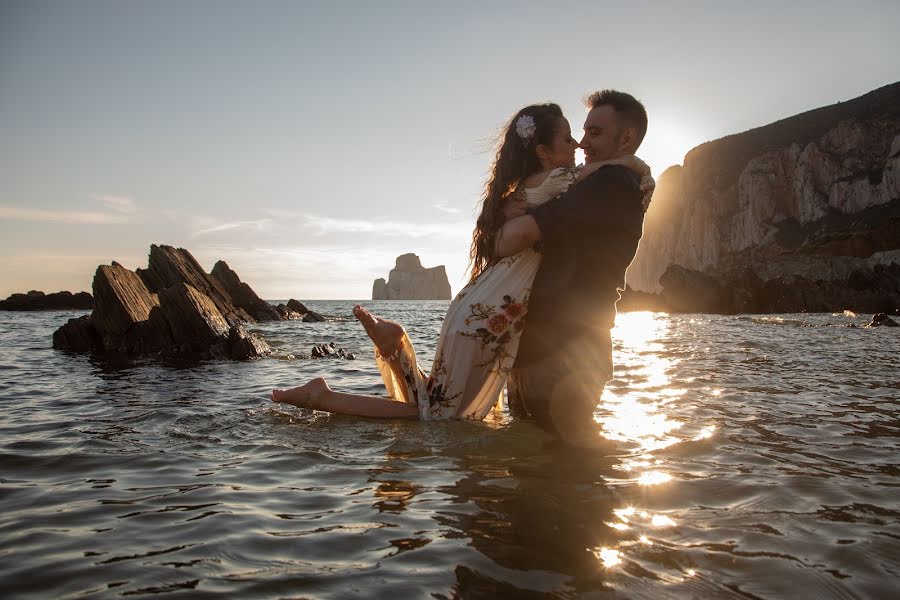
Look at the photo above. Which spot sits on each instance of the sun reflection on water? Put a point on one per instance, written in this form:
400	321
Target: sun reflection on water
608	556
633	413
638	408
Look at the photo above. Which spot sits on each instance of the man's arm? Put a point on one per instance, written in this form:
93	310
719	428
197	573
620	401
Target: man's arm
607	202
578	211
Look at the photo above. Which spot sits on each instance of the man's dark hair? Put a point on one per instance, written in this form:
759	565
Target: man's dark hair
628	109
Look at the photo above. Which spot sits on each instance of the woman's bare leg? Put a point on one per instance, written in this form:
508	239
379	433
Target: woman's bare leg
386	335
317	395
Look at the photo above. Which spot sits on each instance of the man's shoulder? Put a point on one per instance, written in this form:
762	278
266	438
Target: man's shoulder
612	175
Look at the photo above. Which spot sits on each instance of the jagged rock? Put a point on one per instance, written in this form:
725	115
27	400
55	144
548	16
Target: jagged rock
882	320
35	300
175	320
195	321
169	266
409	280
242	345
801	202
313	317
295	310
78	335
288	314
242	295
121	300
297	306
321	351
330	351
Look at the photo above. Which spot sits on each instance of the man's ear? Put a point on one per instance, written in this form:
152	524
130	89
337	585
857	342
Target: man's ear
627	139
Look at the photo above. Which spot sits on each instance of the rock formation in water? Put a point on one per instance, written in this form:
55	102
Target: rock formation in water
35	300
172	308
294	310
409	280
242	295
802	214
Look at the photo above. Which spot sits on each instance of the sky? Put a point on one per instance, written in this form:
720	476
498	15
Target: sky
308	144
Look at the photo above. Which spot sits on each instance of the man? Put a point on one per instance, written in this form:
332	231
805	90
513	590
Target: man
589	237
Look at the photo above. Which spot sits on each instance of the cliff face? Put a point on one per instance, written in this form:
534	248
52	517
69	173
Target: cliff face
409	280
794	198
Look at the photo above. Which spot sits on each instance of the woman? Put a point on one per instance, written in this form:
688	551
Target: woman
484	323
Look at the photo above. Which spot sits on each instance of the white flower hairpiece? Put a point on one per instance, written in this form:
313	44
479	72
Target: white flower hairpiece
525	127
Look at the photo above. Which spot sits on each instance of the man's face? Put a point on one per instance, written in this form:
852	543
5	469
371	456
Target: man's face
602	139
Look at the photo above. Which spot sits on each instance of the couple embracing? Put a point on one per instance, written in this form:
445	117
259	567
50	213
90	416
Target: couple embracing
548	257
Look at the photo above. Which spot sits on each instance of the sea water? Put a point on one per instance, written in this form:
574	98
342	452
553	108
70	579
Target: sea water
758	458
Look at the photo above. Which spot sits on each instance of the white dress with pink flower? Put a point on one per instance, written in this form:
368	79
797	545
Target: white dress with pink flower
480	335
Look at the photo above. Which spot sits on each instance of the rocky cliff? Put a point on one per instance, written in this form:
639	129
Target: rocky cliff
409	280
815	198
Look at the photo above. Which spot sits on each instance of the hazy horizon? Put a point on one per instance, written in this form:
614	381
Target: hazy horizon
308	145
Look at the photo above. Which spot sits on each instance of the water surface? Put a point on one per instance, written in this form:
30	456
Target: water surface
759	460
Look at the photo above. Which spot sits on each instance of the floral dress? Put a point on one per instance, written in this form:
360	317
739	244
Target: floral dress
480	335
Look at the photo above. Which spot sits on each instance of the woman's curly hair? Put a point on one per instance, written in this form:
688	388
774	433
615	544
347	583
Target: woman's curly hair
516	159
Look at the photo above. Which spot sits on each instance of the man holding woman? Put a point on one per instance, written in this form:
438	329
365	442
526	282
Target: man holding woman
540	321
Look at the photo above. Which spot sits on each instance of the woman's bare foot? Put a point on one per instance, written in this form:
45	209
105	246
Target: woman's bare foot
308	395
386	335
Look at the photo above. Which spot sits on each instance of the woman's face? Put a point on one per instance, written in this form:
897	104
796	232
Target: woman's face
561	150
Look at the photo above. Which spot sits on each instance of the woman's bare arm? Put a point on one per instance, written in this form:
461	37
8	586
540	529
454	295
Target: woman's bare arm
516	235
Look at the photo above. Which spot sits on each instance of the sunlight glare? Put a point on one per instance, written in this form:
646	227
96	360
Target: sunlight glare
705	433
639	327
654	478
608	556
624	513
662	521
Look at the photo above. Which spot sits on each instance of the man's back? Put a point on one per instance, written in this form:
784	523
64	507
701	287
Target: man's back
590	236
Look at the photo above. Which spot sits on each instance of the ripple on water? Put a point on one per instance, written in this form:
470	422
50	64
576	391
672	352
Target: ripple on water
757	458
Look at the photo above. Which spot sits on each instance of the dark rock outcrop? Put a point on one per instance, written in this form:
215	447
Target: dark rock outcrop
287	314
297	306
170	309
744	290
409	280
295	310
242	295
78	335
169	266
882	320
330	351
35	300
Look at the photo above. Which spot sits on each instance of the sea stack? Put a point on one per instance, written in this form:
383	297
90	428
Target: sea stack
409	280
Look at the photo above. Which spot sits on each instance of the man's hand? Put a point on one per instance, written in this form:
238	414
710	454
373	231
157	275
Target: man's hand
514	206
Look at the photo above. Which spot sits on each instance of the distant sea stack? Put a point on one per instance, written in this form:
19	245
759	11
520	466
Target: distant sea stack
799	215
409	280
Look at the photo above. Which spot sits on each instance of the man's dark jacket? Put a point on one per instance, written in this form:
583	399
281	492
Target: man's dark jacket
589	236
